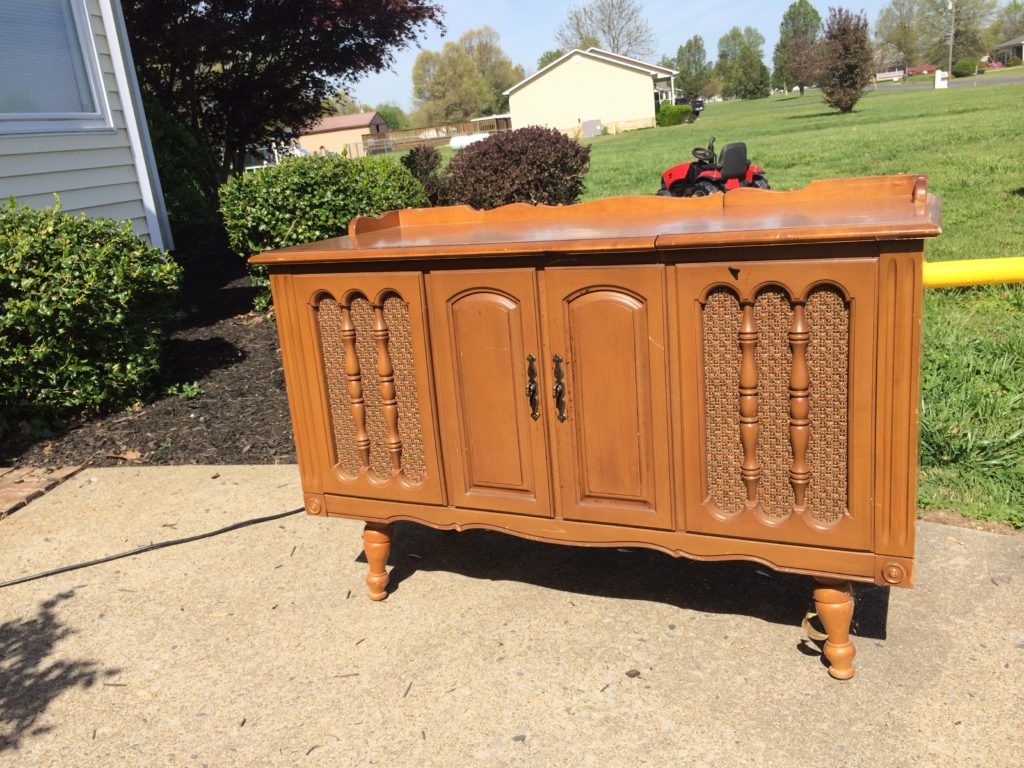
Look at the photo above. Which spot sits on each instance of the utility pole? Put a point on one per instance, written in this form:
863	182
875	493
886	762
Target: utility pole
951	5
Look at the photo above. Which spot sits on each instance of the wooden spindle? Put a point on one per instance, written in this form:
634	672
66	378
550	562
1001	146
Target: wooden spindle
799	406
750	470
355	385
388	394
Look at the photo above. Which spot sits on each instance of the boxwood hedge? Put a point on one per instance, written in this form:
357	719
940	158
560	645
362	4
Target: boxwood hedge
304	199
82	303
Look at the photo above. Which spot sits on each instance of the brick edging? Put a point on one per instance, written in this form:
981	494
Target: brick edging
19	486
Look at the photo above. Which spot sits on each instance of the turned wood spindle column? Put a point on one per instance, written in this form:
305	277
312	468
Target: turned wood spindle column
750	470
354	376
388	394
799	406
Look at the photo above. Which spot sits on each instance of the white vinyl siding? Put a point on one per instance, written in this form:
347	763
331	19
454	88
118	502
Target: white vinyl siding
583	88
95	171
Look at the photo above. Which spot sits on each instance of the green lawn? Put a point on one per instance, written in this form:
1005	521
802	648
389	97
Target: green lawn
970	141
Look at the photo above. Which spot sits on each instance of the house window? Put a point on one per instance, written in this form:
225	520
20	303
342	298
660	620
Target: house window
50	72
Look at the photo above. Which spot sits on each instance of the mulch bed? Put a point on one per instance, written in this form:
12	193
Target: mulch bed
239	417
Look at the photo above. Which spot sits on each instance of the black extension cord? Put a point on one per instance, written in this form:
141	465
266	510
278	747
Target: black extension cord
150	548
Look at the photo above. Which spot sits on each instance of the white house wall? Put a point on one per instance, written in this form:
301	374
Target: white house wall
93	172
581	89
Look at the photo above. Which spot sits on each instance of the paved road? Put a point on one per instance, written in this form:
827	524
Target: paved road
968	82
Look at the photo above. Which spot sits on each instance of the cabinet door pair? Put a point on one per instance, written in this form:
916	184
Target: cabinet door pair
560	402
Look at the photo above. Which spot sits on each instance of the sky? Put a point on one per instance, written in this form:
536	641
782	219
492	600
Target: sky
527	29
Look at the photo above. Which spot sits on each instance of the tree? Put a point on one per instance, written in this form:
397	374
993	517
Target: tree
497	69
847	58
796	53
618	26
1009	22
971	21
239	74
448	87
549	56
740	65
465	79
394	116
695	70
897	26
343	104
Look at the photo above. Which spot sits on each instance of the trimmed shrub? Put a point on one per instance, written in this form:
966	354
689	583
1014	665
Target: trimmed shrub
82	302
965	68
528	165
847	58
189	187
673	114
424	162
1013	61
305	199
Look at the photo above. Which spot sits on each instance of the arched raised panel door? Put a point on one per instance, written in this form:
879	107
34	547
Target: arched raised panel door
606	326
490	393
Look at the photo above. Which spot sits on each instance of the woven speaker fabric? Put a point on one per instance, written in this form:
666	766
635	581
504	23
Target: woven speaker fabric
396	316
774	315
828	355
721	321
342	423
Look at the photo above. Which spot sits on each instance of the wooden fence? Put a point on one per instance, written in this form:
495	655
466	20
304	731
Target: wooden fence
436	135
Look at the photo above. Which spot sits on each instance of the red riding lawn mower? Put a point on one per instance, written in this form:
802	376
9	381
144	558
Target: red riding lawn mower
709	175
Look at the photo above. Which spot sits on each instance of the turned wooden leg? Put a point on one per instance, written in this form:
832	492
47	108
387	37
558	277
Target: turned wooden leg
377	545
833	600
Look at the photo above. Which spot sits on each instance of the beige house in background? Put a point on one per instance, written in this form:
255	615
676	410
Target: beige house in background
584	86
344	133
71	118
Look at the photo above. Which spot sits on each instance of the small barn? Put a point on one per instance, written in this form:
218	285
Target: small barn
591	85
71	117
354	134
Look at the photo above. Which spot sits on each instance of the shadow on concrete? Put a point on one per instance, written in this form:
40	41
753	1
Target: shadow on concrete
737	587
30	679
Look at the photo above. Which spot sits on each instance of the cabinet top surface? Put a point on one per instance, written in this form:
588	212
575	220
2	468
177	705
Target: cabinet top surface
834	210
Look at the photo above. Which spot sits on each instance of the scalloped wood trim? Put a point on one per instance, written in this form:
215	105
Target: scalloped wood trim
911	187
827	563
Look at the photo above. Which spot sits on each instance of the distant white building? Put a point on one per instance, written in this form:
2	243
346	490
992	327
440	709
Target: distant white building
71	118
591	85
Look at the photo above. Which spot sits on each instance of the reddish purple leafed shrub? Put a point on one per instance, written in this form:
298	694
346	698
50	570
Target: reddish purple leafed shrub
528	165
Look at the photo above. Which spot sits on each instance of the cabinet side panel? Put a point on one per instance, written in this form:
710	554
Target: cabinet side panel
298	383
898	372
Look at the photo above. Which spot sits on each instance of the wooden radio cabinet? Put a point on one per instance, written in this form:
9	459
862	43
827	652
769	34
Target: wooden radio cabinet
728	377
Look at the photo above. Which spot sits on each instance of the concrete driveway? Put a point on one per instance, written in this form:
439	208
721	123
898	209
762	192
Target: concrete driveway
259	648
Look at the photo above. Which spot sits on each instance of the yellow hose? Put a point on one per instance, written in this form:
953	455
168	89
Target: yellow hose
949	274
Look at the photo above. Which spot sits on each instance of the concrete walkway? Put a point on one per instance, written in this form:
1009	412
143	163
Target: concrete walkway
259	648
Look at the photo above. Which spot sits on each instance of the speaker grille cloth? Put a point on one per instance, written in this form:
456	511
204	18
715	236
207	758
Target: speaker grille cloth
828	360
773	315
396	318
721	399
396	315
828	351
342	424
